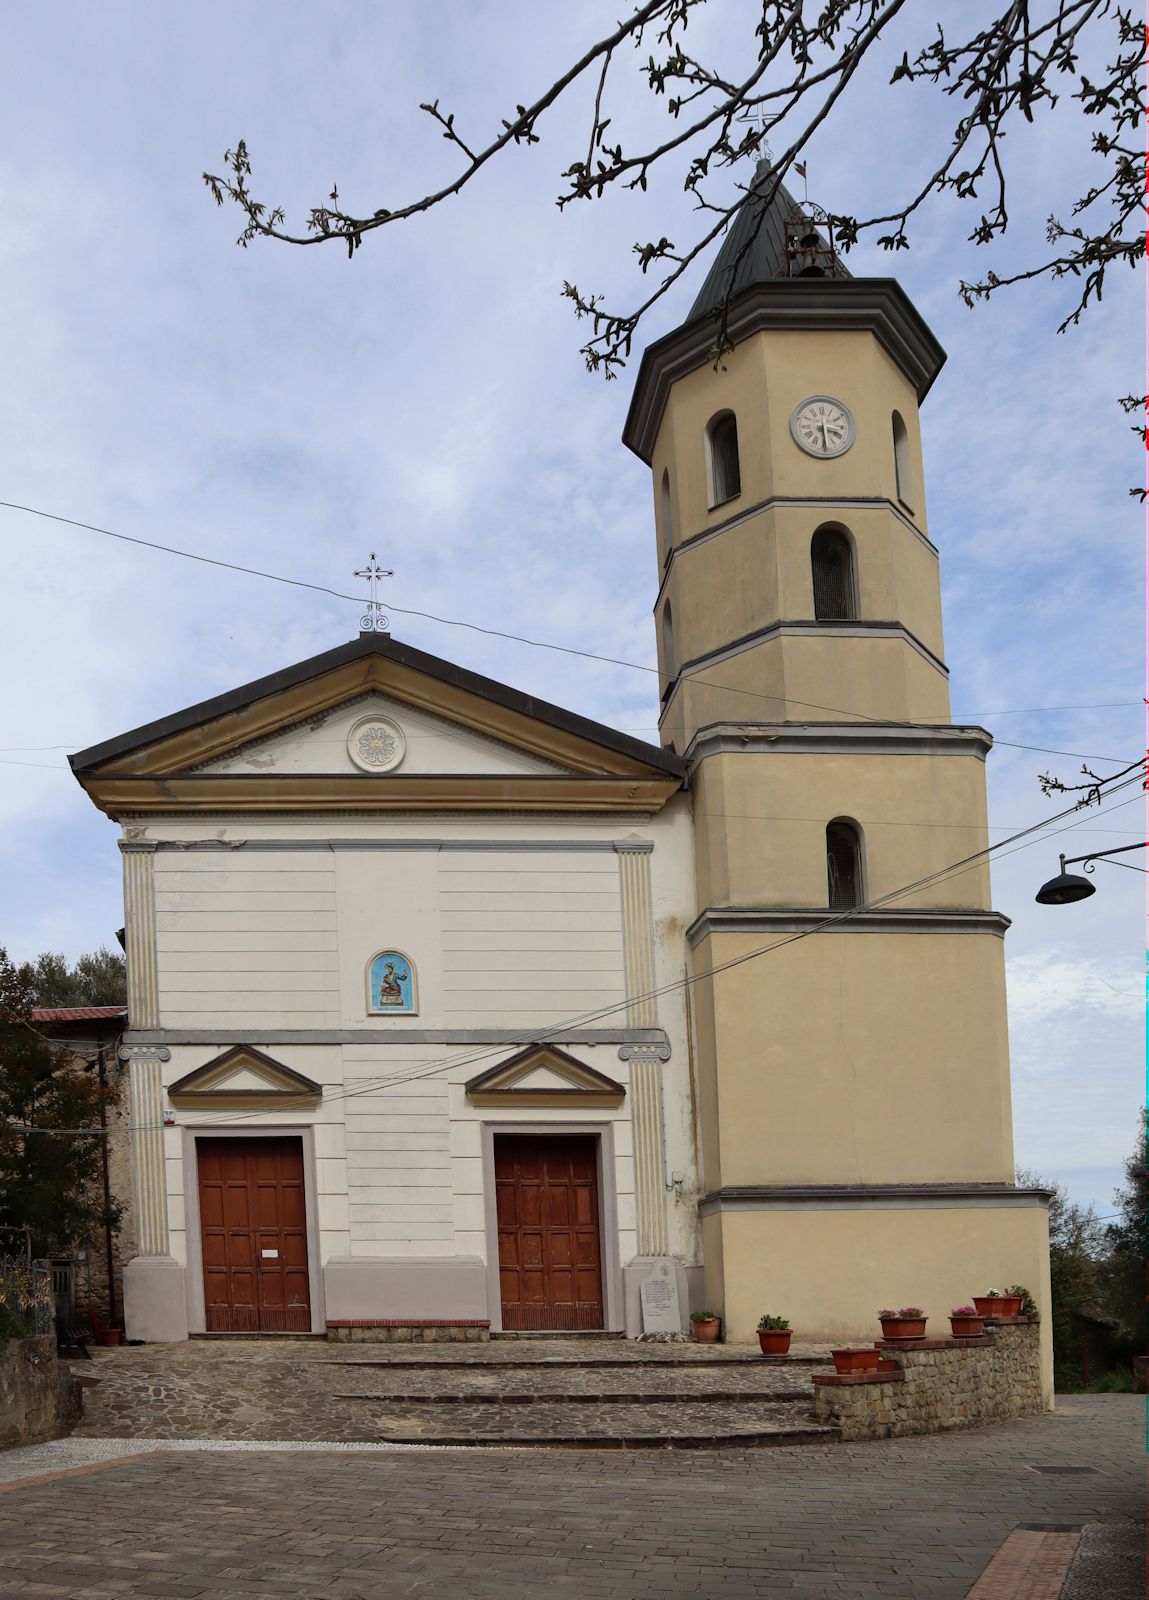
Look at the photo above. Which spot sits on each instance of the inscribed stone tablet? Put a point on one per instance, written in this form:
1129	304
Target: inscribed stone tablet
659	1296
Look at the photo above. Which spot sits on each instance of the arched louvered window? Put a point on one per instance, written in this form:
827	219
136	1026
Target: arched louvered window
667	517
725	474
902	462
844	865
832	566
667	630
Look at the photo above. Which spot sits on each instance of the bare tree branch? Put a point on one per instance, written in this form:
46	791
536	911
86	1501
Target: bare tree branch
1022	62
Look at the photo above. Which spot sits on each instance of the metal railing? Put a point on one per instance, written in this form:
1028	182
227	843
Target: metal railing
26	1293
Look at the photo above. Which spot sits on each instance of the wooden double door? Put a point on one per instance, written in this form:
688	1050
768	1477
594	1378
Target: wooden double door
550	1258
253	1229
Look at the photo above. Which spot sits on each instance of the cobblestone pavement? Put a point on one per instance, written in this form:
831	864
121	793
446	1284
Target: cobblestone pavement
914	1519
301	1391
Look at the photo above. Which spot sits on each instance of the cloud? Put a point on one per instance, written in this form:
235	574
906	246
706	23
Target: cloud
292	410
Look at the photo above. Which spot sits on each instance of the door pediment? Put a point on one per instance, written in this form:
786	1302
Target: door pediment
245	1077
544	1075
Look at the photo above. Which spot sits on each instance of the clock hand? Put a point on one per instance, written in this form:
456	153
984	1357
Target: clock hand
825	441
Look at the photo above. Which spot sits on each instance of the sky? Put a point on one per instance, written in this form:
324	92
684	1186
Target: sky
292	410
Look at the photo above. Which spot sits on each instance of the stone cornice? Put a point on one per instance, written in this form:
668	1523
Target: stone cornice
135	794
390	1031
782	919
876	305
870	1196
837	739
434	846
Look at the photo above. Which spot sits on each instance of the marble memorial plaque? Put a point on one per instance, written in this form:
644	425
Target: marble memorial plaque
659	1296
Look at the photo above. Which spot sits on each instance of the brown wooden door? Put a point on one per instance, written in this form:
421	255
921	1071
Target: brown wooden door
550	1271
254	1231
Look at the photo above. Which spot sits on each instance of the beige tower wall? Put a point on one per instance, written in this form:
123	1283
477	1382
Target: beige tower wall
852	1085
830	1266
856	1058
760	823
736	576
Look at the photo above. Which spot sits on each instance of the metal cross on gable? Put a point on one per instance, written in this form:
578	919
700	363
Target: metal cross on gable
374	621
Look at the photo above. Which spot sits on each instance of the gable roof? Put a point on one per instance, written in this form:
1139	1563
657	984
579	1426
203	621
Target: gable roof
159	766
78	1013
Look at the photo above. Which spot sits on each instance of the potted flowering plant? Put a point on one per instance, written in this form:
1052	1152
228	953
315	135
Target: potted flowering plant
997	1303
863	1359
706	1326
908	1323
773	1335
1028	1306
965	1323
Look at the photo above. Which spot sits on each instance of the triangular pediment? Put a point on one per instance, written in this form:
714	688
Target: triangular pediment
245	1076
543	1075
379	734
377	726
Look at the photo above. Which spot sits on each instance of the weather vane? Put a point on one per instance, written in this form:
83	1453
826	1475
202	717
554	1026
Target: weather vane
373	620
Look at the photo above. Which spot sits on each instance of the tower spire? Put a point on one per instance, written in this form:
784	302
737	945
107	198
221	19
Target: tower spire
759	244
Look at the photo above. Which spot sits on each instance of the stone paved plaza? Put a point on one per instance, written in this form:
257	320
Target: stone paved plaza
917	1519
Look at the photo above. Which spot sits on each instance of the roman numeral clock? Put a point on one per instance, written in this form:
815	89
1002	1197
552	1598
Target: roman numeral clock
822	426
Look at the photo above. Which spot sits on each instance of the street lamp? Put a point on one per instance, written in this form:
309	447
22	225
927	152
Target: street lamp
1068	886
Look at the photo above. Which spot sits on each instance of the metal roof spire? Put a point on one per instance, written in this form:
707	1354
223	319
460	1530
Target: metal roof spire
759	243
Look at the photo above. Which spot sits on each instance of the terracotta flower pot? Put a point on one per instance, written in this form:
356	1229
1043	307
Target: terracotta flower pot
903	1327
998	1305
860	1360
109	1336
707	1332
967	1327
774	1341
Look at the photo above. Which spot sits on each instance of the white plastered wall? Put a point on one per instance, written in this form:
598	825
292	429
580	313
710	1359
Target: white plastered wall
270	943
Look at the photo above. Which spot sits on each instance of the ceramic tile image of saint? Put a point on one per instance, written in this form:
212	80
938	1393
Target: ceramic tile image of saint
390	984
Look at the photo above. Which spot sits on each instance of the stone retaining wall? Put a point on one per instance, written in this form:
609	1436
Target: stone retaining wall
939	1384
39	1398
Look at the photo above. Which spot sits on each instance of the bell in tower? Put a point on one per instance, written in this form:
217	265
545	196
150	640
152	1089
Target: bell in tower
847	979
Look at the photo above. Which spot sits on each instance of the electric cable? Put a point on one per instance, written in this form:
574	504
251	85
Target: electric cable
566	1025
498	633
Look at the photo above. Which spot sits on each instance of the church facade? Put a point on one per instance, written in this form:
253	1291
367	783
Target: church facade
451	1009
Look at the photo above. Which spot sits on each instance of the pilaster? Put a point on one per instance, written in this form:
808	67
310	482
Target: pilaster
645	1060
149	1182
140	933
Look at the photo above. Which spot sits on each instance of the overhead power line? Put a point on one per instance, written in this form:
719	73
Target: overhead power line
1021	840
515	638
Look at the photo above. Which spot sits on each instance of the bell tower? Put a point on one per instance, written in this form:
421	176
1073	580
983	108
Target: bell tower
848	993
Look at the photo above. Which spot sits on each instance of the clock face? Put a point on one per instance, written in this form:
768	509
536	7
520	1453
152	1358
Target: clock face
822	426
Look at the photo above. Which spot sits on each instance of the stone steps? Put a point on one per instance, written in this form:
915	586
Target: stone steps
655	1397
473	1362
547	1424
601	1396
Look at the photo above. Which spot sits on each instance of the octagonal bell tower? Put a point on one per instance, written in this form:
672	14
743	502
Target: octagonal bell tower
848	992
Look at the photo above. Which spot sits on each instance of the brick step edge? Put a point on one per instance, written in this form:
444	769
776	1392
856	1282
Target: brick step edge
643	1398
763	1439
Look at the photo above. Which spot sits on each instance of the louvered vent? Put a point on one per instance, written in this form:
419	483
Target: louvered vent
833	566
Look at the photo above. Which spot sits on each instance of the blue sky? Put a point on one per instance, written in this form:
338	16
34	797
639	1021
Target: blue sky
292	410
